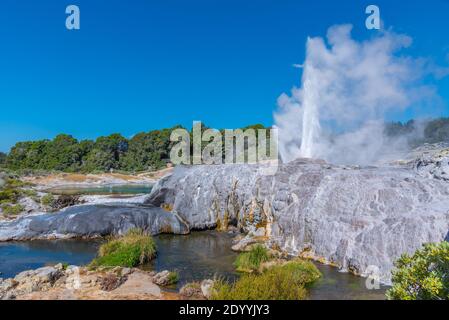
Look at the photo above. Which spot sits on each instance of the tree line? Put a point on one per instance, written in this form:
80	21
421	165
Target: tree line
144	151
147	150
432	131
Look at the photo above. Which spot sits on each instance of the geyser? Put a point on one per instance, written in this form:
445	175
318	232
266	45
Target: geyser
348	90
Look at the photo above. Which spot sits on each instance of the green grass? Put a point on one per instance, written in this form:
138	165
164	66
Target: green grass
173	278
133	249
47	200
10	194
12	210
283	282
250	261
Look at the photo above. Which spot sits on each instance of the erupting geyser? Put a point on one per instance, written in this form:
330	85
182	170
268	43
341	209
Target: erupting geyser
348	89
311	121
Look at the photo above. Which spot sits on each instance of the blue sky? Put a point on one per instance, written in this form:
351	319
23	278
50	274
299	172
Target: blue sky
140	65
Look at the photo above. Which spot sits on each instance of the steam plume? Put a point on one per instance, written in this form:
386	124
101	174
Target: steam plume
348	89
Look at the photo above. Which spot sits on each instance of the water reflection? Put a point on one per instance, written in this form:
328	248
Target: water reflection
197	256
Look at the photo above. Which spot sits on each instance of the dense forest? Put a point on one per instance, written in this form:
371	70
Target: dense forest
144	151
149	150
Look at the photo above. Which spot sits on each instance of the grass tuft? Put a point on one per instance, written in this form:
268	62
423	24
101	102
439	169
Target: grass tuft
12	210
283	282
173	278
133	249
250	261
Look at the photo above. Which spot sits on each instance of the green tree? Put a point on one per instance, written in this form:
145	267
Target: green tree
437	130
148	150
423	275
2	158
106	153
59	154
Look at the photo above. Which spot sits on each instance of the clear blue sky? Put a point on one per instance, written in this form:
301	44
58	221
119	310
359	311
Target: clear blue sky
139	65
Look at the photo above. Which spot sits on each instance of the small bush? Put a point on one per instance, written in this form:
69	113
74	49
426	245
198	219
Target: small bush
173	278
130	250
12	210
423	275
250	261
282	282
29	193
8	195
47	200
15	183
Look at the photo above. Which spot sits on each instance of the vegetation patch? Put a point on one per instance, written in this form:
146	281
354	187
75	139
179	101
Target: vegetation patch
133	249
47	200
10	194
423	275
173	278
12	210
250	261
282	282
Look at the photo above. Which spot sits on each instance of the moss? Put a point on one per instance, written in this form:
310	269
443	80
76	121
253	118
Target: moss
133	249
286	282
250	261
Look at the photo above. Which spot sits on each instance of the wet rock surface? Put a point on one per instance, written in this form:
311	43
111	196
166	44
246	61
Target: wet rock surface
356	218
91	221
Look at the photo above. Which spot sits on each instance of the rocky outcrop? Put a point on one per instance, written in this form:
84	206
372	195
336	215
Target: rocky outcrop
64	201
359	219
91	221
433	165
73	282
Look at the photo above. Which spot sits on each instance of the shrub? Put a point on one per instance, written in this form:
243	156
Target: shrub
130	250
12	210
423	275
8	195
173	278
47	200
281	282
15	183
29	193
250	261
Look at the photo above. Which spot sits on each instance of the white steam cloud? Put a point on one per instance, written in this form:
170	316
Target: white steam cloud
348	88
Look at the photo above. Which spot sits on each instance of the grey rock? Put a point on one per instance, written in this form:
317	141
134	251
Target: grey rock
192	290
125	271
207	288
434	164
92	221
351	217
162	278
260	232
